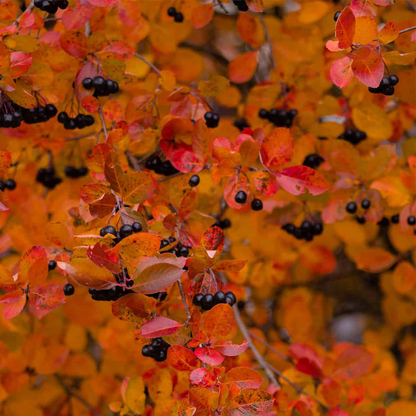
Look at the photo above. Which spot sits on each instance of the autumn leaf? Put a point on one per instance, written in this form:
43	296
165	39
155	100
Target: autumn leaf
345	28
374	260
219	321
209	356
277	148
241	69
159	326
181	358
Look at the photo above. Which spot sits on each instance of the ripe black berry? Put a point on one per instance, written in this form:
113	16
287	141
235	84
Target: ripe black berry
241	124
289	228
230	298
171	12
194	180
219	297
50	110
336	15
182	251
147	351
365	204
160	356
51	265
137	227
197	299
318	228
178	17
395	219
313	160
163	244
211	119
62	117
384	222
207	302
2	186
351	207
256	205
394	80
361	220
241	197
69	290
108	230
306	226
126	230
98	82
411	220
70	124
82	171
62	4
263	113
10	184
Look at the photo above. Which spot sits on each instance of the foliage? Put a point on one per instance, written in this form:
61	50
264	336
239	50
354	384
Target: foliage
224	148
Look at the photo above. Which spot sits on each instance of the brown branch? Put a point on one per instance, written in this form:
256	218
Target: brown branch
407	30
132	160
30	7
269	40
148	63
82	136
100	112
188	314
253	348
411	5
266	344
71	393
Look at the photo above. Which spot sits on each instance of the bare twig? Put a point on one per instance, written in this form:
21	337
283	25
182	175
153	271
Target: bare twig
253	348
269	40
407	30
166	178
132	160
266	344
411	5
82	136
30	7
188	314
296	387
87	29
71	393
147	62
100	112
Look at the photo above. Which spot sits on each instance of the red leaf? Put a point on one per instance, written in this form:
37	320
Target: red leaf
101	258
77	17
231	350
74	43
20	62
353	362
370	70
159	327
103	3
202	376
213	239
43	299
338	412
297	179
27	19
181	358
277	148
209	356
341	72
308	361
34	266
14	302
345	28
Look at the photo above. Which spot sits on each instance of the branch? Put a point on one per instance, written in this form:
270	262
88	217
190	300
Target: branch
253	348
407	30
269	40
30	7
70	393
411	5
266	344
100	112
147	62
132	160
296	387
188	314
82	136
166	178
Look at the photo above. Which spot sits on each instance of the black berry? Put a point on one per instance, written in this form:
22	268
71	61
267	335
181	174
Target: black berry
207	302
69	290
219	297
126	230
108	230
194	181
336	15
411	220
263	113
10	184
178	17
137	227
241	197
365	204
51	265
351	207
256	205
230	298
171	12
197	299
395	219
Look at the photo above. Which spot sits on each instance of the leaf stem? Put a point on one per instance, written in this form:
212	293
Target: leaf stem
147	62
253	348
70	393
100	112
132	160
188	314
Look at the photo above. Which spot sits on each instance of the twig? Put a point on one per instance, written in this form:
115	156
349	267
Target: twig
100	112
87	29
270	347
253	348
30	7
407	30
188	314
269	40
411	5
70	393
132	160
166	178
296	387
82	136
147	62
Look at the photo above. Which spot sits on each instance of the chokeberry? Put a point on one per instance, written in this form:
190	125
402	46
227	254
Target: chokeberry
395	219
137	227
230	298
336	15
98	82
194	180
163	243
384	222
171	12
197	299
82	171
50	110
240	197
219	297
211	119
160	355
394	80
126	230
351	207
306	226
69	290
147	351
411	220
178	17
51	265
313	160
318	228
183	251
10	184
108	230
361	220
207	301
62	117
289	228
2	186
365	204
263	113
256	205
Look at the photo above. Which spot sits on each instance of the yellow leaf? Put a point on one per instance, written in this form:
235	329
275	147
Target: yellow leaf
213	87
395	57
365	30
374	260
312	11
167	80
135	397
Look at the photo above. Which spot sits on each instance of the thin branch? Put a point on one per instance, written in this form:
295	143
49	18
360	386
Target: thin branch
266	344
70	393
100	112
407	30
411	5
253	348
147	62
166	178
296	387
188	314
82	136
269	40
30	7
132	160
87	29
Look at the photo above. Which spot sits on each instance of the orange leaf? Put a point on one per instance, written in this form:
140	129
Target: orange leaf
253	402
202	15
250	30
365	30
74	43
242	68
20	63
404	277
389	32
277	148
133	307
244	378
345	28
159	327
341	72
374	260
369	70
218	321
353	362
34	266
181	358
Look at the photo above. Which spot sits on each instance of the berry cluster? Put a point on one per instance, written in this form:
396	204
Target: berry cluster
78	122
386	86
280	118
178	16
241	198
241	124
313	160
51	6
125	231
69	290
208	301
108	295
223	224
194	181
73	173
211	119
351	207
103	87
158	350
10	184
17	114
241	4
179	250
353	136
46	176
162	168
306	231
